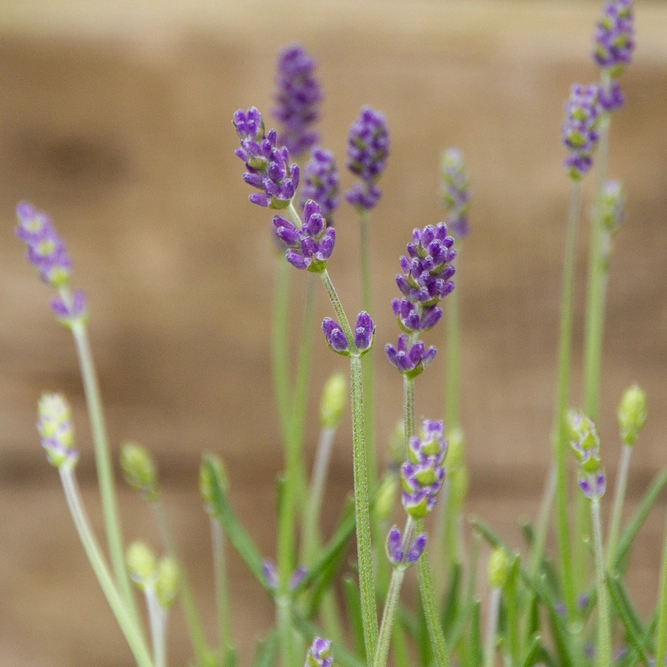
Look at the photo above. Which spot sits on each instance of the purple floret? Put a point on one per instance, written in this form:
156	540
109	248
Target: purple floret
297	98
579	131
615	36
321	182
455	191
410	360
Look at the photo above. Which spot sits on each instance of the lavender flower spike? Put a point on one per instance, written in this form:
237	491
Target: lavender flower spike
56	431
579	131
614	36
367	152
309	248
319	654
321	182
585	445
267	164
455	191
45	249
410	360
297	98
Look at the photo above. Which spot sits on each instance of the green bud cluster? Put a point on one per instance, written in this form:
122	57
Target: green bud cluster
632	414
584	441
149	574
139	470
498	567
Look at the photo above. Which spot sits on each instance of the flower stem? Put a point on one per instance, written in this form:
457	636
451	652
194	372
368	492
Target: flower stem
157	618
103	462
284	623
391	603
221	590
338	309
491	627
367	363
661	641
560	444
619	498
604	657
127	623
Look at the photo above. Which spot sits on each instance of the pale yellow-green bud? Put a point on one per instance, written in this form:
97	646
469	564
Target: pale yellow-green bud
167	581
498	568
397	445
56	432
334	399
386	497
211	474
459	481
140	564
139	470
455	449
632	414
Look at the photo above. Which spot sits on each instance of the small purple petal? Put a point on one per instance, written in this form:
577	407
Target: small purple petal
270	574
416	549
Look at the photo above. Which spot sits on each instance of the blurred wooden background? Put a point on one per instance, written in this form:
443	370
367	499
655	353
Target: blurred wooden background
115	118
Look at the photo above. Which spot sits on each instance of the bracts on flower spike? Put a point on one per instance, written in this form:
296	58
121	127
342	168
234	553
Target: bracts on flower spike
585	445
400	557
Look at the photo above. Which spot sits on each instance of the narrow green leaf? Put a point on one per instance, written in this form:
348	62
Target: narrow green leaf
353	608
452	600
475	653
232	657
532	655
266	651
528	533
628	616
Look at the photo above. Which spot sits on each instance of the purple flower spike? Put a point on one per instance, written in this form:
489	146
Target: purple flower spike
72	312
267	164
410	360
614	36
364	332
394	547
416	549
45	249
321	182
309	248
270	574
319	654
297	99
455	191
579	131
335	337
367	152
611	99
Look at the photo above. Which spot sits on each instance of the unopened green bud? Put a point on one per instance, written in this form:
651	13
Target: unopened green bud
211	474
139	470
334	399
632	414
386	497
167	581
455	449
140	564
498	568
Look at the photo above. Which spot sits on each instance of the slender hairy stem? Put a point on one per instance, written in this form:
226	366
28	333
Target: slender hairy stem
338	309
102	461
391	603
491	627
603	653
280	345
127	624
157	618
284	623
314	501
362	511
440	537
453	365
221	589
187	598
661	641
619	499
367	363
560	444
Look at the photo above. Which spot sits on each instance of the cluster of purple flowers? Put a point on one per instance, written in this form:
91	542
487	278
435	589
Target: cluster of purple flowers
367	152
400	556
455	191
579	131
297	98
268	166
364	332
423	474
308	247
614	36
321	182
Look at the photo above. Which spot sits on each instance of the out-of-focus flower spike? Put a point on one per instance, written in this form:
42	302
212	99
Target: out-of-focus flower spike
615	36
141	565
611	98
455	191
585	445
321	182
632	413
498	567
54	424
319	654
298	96
334	400
167	581
612	210
579	131
139	470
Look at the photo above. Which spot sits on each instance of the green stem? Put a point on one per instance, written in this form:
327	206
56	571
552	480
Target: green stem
661	642
103	462
604	657
284	623
187	597
367	363
280	345
391	603
560	444
619	499
221	589
362	510
491	627
127	624
338	309
157	619
452	367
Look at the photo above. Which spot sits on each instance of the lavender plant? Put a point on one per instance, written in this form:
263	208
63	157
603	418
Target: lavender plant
537	613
